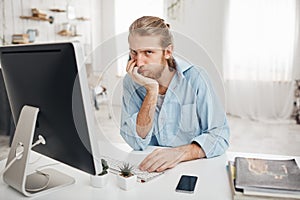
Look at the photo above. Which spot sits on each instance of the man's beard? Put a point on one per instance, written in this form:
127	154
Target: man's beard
156	75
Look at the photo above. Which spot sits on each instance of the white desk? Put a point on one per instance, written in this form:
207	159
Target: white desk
212	181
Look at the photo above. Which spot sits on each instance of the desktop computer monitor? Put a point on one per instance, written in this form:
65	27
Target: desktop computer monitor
52	78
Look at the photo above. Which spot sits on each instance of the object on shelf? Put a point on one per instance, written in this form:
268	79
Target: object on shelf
67	33
70	12
82	19
38	13
57	10
39	16
64	33
20	39
32	33
69	30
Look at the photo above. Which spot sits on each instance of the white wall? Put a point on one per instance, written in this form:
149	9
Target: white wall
198	27
202	21
105	53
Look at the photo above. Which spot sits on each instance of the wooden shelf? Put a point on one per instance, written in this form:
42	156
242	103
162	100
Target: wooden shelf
50	19
57	10
77	35
66	33
82	19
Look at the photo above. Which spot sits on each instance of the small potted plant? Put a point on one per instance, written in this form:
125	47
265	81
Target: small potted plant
126	178
100	180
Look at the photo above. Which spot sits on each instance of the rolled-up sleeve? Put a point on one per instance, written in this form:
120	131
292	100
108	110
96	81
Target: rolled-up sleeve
131	103
214	142
214	136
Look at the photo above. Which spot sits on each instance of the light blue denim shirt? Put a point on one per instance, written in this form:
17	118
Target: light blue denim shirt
191	112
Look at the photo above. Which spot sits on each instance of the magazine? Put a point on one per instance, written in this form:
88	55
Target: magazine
266	177
237	194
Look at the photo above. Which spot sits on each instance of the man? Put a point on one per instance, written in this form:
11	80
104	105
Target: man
168	102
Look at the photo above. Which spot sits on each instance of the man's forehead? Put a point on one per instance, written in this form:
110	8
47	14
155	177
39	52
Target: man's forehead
137	42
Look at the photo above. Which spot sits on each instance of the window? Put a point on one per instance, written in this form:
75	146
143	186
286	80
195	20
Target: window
260	40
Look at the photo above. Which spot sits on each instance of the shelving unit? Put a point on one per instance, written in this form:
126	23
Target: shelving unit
48	19
38	15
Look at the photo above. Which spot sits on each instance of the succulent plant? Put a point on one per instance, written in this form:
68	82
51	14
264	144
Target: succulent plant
126	170
104	167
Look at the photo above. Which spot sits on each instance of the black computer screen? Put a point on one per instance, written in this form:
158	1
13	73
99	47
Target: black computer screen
46	76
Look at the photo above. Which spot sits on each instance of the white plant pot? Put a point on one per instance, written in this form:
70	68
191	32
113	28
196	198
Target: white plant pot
126	183
99	181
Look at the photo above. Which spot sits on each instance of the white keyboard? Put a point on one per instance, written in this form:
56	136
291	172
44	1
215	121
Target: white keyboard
142	176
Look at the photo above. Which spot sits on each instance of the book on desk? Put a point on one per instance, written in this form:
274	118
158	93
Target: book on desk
252	178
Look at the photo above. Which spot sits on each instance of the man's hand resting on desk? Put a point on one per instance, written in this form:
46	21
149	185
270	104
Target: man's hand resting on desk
162	159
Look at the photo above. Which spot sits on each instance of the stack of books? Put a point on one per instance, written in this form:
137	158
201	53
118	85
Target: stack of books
20	38
261	179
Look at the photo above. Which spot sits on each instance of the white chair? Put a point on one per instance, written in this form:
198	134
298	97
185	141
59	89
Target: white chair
100	96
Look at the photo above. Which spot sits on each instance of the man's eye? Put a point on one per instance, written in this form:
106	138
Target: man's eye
133	52
149	52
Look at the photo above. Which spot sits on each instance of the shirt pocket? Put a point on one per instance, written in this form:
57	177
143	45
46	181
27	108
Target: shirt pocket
189	122
171	116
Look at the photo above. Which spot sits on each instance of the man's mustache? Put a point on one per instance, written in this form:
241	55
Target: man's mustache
148	66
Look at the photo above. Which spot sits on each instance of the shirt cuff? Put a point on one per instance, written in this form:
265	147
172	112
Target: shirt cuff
210	145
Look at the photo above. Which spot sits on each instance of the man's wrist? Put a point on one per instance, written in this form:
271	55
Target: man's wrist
192	151
197	150
152	88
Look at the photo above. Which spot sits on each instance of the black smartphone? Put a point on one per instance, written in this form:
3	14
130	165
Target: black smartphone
186	184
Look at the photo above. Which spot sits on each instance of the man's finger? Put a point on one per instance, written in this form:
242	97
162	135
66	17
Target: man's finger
135	71
156	165
165	166
130	65
147	162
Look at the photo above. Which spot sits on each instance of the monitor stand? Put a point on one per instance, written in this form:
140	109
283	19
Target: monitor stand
39	182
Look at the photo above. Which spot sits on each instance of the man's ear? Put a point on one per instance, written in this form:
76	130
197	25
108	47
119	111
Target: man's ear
169	51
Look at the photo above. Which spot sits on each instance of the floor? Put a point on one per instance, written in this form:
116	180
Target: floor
246	135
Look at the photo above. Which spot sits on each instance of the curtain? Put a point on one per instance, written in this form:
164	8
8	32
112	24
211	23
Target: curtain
259	58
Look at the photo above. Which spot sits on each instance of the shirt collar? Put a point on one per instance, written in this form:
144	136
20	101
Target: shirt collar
181	66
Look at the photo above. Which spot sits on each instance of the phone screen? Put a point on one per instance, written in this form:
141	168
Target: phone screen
186	184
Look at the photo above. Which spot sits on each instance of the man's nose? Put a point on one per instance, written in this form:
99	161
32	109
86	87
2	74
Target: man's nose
140	60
